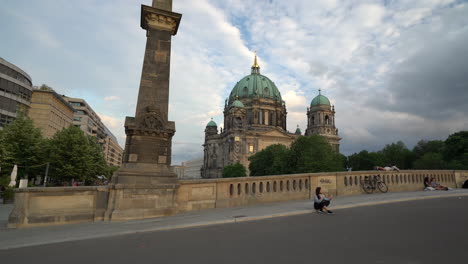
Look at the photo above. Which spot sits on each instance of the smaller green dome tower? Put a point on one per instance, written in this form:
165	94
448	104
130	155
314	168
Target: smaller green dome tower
211	123
320	100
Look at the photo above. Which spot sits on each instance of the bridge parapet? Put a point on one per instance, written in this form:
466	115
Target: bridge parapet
62	205
221	193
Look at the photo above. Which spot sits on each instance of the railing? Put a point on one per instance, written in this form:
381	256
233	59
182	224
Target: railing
216	193
396	181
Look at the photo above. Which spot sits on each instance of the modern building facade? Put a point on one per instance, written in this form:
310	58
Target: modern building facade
112	150
87	120
255	118
15	92
49	111
193	168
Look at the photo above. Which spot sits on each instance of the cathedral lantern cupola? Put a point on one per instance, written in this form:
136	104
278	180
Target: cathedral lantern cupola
255	66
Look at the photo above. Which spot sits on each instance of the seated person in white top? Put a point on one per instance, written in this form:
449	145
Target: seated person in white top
321	201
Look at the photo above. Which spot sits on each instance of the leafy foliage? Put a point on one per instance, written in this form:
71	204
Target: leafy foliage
456	150
71	154
234	170
75	156
430	161
428	146
427	154
397	154
365	160
270	161
306	154
21	144
313	154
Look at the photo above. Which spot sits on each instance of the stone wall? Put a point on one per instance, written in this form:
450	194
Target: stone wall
62	205
58	205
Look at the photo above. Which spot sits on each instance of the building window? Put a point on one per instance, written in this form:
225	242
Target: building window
251	148
77	118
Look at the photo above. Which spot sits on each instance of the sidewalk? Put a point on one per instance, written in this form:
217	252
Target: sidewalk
15	238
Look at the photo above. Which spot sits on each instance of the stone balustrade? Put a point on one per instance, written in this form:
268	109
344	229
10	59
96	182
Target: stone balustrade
220	193
61	205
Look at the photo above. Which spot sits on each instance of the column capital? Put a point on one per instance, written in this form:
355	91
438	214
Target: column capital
154	18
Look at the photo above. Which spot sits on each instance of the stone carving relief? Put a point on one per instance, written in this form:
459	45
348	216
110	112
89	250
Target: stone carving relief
152	119
151	122
162	22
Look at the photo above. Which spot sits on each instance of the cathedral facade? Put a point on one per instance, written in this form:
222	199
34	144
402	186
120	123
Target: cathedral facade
255	118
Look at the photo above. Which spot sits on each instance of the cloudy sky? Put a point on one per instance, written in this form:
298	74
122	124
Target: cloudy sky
395	70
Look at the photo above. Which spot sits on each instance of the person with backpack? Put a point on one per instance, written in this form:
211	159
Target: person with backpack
321	201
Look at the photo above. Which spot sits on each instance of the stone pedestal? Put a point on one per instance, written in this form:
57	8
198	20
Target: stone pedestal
140	201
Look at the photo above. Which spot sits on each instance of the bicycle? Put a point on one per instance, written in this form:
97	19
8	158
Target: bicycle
370	183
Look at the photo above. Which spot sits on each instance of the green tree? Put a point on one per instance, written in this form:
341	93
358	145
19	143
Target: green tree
397	154
22	144
74	155
430	161
427	146
313	154
270	161
365	160
456	150
234	170
45	87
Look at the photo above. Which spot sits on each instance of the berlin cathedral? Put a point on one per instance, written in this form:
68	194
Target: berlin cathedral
255	118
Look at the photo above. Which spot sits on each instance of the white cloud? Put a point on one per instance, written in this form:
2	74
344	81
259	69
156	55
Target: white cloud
348	49
111	98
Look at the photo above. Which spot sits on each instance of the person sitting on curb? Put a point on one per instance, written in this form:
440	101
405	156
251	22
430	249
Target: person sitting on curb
432	185
427	184
437	186
321	201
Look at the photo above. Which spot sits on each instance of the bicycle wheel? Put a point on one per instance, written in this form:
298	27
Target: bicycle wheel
382	187
367	186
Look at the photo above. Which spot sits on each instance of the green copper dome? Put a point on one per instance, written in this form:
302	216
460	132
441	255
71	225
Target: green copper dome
211	123
237	103
320	100
255	85
298	131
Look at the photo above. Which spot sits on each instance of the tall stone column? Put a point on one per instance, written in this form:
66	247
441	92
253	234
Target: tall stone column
145	186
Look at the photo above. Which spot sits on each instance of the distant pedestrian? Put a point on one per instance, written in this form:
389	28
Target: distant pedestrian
321	201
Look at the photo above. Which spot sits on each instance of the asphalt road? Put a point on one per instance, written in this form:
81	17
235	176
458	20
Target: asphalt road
425	231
